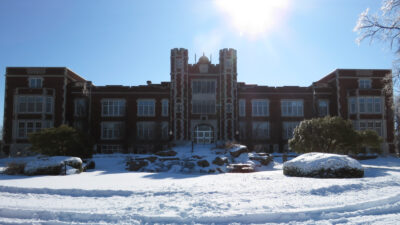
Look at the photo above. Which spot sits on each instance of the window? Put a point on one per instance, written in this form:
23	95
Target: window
288	129
203	86
164	106
113	107
112	130
80	107
375	125
242	130
229	107
323	108
242	107
203	106
364	84
111	148
145	130
164	131
260	130
35	82
353	105
371	105
292	107
146	107
26	127
34	104
259	107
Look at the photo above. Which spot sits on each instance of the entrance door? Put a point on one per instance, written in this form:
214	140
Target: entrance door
203	134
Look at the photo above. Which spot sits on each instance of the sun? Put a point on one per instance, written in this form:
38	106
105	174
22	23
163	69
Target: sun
253	18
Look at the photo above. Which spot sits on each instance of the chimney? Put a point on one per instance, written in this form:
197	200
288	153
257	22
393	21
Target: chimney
149	82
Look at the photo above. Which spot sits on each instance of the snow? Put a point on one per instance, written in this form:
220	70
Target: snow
111	195
316	161
43	162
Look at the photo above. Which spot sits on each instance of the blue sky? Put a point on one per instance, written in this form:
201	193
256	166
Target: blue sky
279	42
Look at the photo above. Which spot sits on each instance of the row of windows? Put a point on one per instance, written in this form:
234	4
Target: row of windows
203	86
372	105
29	126
117	107
35	104
260	107
261	130
145	130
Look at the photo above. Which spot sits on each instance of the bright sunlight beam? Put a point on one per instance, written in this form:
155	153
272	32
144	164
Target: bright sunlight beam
254	18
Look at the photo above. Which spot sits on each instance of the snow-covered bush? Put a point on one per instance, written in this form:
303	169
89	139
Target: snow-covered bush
323	165
15	168
52	165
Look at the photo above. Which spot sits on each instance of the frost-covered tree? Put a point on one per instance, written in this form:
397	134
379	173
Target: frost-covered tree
384	26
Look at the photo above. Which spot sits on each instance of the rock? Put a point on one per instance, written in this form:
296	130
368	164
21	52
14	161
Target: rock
90	165
220	161
211	171
203	163
188	164
196	157
166	153
240	168
237	150
323	165
52	165
263	158
150	158
168	159
135	165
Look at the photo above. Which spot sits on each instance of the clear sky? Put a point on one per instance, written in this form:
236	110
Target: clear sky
278	42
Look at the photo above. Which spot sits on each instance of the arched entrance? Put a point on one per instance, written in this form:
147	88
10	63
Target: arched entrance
203	134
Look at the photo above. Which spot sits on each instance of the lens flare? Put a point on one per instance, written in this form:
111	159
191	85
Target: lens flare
254	18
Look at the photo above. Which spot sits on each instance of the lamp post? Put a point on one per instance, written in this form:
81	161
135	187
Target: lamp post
170	138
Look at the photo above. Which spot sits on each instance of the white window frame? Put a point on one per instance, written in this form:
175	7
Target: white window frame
258	130
35	127
34	104
35	82
164	107
292	107
146	107
326	101
242	107
202	107
145	130
365	125
113	107
288	129
112	130
204	87
364	83
258	109
109	148
366	105
82	110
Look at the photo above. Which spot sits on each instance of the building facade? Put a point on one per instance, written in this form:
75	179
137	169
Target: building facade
202	102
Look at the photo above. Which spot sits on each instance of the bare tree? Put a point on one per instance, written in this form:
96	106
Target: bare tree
384	26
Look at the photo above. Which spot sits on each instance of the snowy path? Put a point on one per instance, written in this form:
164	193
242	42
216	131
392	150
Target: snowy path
110	195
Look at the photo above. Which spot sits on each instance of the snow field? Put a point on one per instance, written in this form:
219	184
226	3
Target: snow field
112	195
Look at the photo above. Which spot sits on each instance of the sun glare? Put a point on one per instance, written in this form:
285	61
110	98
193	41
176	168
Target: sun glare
254	18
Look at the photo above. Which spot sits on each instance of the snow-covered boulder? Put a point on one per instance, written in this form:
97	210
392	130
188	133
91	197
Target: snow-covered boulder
323	165
51	165
263	158
241	168
237	150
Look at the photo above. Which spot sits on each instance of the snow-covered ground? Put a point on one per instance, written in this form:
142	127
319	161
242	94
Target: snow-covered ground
111	195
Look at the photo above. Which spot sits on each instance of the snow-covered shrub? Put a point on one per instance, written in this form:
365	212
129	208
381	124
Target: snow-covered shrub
323	165
15	168
52	165
62	140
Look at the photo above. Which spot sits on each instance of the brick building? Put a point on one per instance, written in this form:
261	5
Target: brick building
203	102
